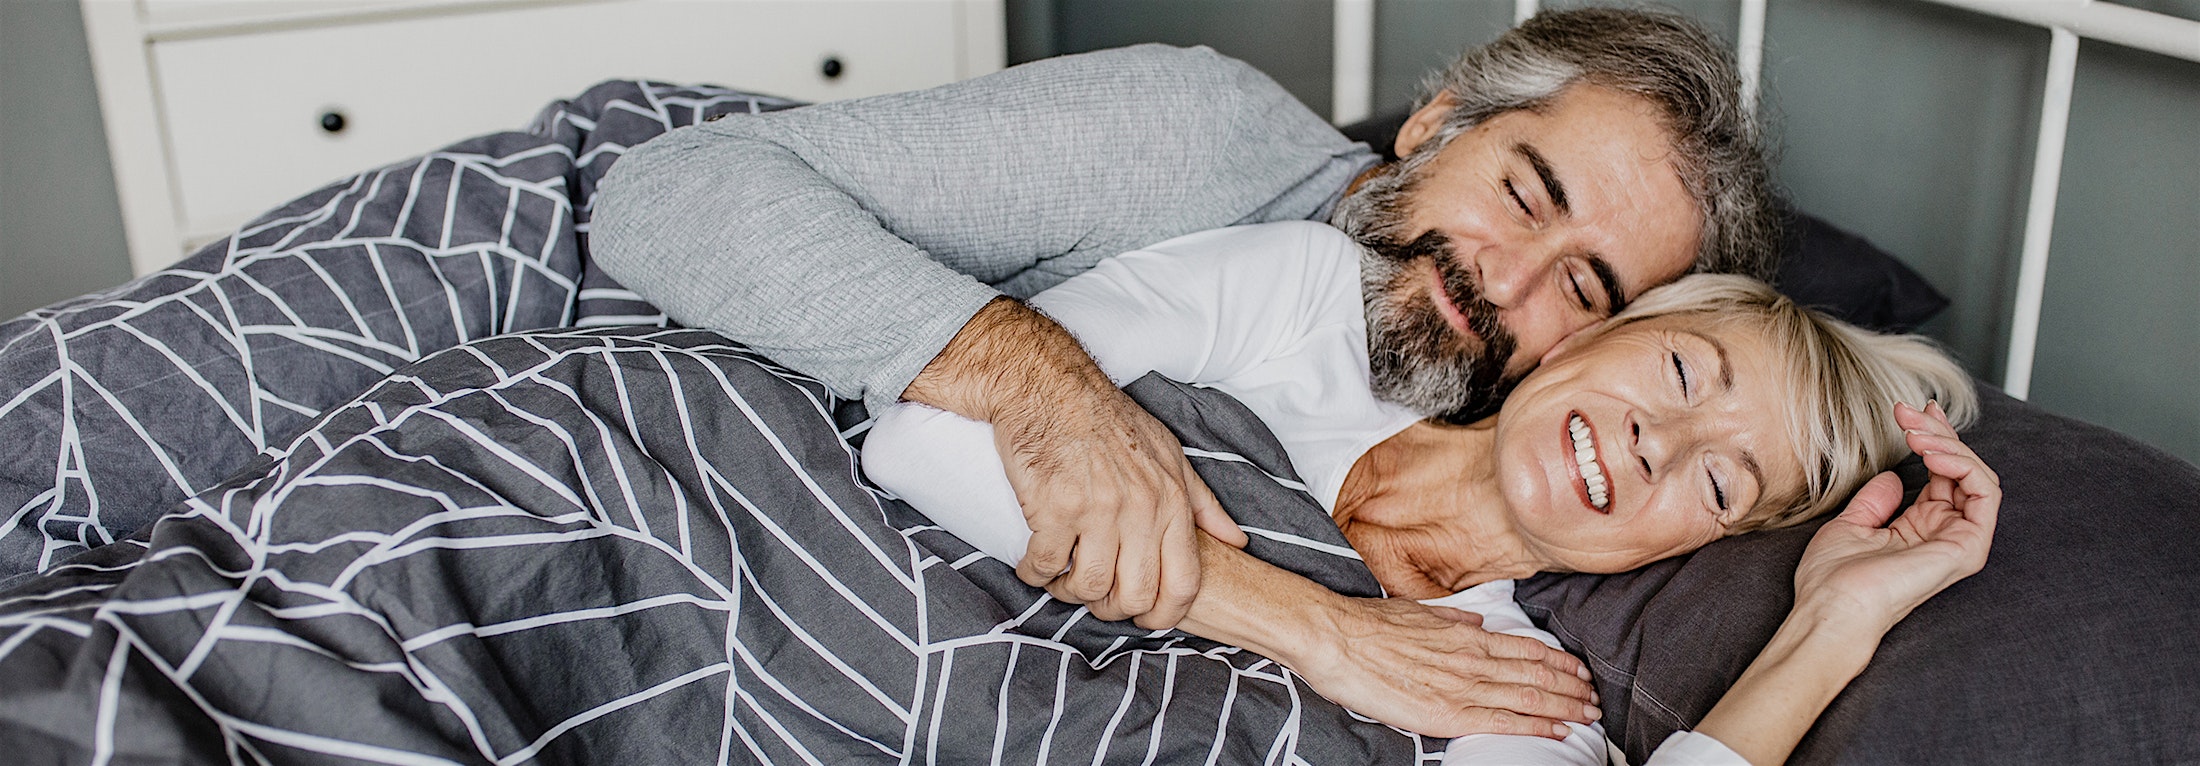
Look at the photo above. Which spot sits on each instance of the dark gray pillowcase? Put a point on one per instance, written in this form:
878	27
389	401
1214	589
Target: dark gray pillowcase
2074	645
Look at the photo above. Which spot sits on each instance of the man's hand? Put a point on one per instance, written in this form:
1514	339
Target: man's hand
1434	670
1115	509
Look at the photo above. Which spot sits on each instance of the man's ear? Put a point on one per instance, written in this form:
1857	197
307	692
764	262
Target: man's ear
1424	123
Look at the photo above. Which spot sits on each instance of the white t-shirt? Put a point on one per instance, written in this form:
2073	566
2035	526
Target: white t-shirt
1271	314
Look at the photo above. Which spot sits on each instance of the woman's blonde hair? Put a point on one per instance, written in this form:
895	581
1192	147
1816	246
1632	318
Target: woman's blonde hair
1849	379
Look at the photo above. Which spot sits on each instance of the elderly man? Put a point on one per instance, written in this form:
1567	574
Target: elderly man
881	244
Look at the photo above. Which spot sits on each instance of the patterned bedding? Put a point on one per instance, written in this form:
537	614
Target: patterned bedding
624	544
119	404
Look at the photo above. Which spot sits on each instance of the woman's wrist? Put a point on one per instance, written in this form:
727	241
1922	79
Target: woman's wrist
1822	645
1285	618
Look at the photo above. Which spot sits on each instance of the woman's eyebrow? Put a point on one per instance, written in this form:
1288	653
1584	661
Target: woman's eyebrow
1757	472
1726	385
1726	365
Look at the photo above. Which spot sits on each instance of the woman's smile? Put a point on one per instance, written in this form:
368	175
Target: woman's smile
1591	476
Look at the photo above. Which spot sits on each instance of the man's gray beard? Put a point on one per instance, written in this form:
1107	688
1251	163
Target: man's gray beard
1416	359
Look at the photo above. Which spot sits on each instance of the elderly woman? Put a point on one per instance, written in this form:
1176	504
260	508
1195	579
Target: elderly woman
1708	408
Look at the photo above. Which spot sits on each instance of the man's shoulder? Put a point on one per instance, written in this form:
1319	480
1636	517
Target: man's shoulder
1191	84
1313	242
1279	258
1196	64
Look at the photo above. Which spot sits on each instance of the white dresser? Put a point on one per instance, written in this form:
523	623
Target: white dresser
217	110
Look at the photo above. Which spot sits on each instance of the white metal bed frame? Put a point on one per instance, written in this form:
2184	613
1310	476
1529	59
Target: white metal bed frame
2066	21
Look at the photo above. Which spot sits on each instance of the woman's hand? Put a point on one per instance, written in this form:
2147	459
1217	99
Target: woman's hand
1859	577
1423	668
1865	568
1435	671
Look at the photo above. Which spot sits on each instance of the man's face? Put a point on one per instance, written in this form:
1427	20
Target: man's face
1496	245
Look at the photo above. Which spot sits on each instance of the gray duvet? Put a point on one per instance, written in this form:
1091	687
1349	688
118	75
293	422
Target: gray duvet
629	544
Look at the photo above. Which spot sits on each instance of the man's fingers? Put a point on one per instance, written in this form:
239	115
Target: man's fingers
1461	616
1092	566
1137	575
1524	655
1561	692
1510	647
1207	512
1179	581
1045	558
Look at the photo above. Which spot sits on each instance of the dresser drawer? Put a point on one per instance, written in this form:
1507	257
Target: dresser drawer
248	117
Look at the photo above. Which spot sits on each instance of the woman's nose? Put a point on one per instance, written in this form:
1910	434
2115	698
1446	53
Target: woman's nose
1658	441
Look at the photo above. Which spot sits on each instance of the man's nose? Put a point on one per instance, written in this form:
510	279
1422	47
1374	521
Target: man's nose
1511	273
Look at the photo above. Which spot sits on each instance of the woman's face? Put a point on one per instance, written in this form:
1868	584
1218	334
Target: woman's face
1645	442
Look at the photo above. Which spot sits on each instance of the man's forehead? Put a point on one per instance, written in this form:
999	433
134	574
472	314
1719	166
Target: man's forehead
1636	220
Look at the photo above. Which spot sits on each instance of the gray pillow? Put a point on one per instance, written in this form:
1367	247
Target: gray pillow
2074	645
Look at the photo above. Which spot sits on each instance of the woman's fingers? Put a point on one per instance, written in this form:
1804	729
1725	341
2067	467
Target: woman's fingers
1487	720
1875	502
1979	491
1558	691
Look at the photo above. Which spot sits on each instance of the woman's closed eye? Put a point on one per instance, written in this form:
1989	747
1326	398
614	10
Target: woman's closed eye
1718	489
1680	372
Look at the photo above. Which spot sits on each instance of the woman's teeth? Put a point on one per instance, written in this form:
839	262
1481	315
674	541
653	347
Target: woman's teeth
1585	455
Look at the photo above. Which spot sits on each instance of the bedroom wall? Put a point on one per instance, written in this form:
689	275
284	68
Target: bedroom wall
60	227
1913	125
1908	123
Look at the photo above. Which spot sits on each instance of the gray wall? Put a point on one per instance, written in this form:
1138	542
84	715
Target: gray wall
60	227
2120	328
1908	123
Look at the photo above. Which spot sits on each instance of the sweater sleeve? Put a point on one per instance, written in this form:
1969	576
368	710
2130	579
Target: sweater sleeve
852	240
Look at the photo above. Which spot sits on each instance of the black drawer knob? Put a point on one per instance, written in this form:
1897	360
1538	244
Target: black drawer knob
832	68
332	121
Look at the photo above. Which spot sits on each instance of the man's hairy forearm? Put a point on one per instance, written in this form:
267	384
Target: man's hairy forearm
1007	366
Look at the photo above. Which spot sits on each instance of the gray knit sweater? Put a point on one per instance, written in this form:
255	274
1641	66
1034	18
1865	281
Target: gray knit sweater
851	240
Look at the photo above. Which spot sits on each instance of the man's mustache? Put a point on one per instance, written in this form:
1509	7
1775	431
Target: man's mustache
1498	343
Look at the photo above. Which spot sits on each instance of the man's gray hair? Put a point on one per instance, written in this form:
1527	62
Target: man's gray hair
1662	58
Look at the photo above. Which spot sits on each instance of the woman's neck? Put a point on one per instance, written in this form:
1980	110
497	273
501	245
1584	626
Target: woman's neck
1424	511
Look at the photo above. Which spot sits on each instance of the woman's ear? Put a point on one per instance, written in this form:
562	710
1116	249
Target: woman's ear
1424	123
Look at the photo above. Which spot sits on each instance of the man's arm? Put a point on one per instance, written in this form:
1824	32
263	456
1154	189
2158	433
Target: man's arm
1111	500
1429	669
830	237
836	237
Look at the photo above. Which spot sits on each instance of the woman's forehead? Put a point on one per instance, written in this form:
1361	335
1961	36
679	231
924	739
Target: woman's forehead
1759	382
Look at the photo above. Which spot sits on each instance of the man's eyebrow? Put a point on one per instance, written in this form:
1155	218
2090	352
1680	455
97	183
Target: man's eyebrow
1543	172
1616	297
